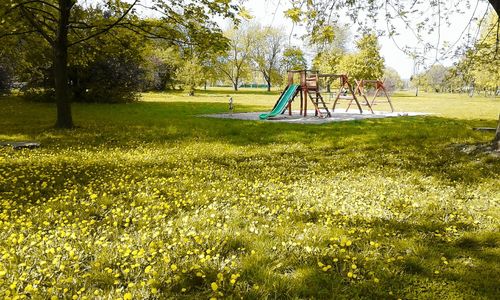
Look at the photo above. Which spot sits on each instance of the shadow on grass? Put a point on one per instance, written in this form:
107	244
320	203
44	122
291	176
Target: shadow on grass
412	143
430	268
468	265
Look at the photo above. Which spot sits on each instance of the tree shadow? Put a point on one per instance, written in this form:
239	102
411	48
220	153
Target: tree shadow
423	144
469	261
469	266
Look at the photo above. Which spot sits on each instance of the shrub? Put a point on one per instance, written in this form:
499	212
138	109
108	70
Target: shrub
112	79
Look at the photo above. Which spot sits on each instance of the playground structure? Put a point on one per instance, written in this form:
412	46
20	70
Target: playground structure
310	86
379	89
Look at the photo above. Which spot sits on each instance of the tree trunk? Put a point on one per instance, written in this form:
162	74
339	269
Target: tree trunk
64	117
60	48
267	78
496	140
235	85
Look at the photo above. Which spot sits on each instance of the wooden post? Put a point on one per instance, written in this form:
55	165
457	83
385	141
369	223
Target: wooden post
303	84
388	99
354	96
301	100
375	95
290	82
317	112
359	86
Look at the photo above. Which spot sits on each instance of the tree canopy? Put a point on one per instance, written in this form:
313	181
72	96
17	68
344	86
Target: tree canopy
419	18
63	24
267	53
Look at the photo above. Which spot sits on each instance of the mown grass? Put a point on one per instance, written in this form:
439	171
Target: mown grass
445	105
148	200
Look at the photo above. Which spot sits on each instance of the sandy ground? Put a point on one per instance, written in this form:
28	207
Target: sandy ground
337	116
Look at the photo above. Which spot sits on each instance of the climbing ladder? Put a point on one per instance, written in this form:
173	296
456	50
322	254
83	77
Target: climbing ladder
312	87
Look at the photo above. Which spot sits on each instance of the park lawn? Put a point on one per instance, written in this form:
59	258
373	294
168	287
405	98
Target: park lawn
149	200
449	105
446	105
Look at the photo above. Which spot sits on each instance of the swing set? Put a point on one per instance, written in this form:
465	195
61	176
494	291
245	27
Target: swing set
379	90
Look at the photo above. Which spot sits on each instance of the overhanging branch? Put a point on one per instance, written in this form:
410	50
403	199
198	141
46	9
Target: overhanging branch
107	28
17	33
23	4
32	20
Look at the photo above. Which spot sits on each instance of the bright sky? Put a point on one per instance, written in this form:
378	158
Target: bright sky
270	12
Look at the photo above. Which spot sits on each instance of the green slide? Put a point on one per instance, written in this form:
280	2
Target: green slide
282	102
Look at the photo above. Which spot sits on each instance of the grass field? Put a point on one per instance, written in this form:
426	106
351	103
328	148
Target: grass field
148	200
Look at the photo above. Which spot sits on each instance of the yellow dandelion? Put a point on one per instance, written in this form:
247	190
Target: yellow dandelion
127	296
214	286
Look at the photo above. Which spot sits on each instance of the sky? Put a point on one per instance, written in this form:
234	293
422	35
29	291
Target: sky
270	13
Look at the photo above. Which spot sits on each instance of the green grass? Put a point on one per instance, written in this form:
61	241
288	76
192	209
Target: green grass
445	105
148	200
450	105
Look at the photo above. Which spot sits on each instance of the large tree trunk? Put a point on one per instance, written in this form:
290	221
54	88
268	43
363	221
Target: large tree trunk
60	48
496	140
64	117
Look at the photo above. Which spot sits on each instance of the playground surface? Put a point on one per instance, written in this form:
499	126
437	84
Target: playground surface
337	116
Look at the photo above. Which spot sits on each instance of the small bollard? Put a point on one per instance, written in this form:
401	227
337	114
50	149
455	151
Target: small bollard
231	106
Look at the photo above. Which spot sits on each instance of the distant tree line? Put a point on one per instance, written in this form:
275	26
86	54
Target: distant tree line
116	67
